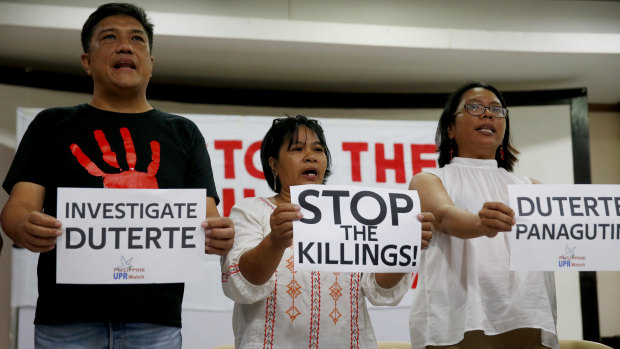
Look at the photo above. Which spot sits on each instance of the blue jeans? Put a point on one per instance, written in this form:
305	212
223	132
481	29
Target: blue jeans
102	335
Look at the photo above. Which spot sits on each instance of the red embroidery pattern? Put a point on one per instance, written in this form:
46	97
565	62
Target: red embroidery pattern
315	309
233	269
354	293
336	293
268	203
293	290
270	317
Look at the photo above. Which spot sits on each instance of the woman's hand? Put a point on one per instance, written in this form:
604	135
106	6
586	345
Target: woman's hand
281	222
427	220
495	217
258	264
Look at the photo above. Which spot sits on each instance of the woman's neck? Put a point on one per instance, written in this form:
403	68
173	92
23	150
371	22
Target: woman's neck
479	154
282	198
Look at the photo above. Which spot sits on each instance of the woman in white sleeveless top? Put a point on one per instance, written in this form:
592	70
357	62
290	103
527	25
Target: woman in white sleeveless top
467	297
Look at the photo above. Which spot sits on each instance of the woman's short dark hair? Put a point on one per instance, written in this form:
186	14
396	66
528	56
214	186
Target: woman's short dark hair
281	130
113	9
445	144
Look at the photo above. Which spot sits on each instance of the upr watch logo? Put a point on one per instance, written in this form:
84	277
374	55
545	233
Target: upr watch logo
126	271
569	260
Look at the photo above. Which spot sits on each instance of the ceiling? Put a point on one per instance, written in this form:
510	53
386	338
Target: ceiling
345	45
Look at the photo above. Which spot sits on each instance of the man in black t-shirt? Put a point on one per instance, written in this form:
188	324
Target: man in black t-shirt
117	140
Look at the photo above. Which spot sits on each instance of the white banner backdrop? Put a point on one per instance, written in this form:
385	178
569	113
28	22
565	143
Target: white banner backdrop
378	153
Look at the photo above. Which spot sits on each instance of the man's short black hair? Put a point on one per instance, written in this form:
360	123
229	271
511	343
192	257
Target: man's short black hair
113	9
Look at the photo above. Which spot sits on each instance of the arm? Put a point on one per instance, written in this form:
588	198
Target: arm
258	264
252	225
449	219
23	221
389	280
219	231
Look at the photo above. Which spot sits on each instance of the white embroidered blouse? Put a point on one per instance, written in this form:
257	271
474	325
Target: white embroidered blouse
296	309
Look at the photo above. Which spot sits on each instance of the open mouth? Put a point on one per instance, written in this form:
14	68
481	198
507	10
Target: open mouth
486	128
124	64
311	172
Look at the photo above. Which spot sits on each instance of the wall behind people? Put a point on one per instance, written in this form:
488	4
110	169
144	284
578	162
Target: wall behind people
604	150
604	142
6	155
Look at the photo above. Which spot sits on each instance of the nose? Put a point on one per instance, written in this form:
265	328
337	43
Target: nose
487	114
124	46
310	157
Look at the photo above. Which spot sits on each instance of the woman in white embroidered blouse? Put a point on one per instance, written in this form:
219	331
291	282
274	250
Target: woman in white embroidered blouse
275	306
467	297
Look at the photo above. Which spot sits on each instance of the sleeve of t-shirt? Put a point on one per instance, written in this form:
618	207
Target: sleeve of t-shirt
200	171
31	161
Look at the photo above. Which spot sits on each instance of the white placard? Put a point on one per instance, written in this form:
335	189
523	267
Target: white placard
121	236
565	227
356	229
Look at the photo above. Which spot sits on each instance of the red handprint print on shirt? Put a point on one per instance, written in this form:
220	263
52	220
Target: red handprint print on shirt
125	179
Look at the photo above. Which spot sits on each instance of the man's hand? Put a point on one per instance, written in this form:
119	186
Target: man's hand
38	232
23	221
219	235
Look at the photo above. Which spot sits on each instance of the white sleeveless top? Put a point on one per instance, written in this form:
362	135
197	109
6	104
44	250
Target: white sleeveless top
466	284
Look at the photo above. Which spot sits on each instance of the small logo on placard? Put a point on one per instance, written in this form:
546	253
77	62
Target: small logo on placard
569	260
126	271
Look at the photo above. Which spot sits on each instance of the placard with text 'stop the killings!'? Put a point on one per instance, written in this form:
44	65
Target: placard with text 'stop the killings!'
356	229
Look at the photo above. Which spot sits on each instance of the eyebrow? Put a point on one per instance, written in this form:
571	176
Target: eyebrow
116	30
476	100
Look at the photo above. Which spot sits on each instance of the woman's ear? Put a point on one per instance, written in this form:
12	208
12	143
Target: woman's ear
451	131
273	164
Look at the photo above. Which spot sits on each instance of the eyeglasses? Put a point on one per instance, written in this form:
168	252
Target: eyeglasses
476	109
298	117
276	120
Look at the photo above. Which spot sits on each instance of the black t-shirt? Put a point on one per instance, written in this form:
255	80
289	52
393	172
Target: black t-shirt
60	148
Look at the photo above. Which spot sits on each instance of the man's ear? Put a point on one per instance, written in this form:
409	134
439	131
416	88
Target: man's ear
86	62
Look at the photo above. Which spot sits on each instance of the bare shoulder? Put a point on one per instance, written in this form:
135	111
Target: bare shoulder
423	179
